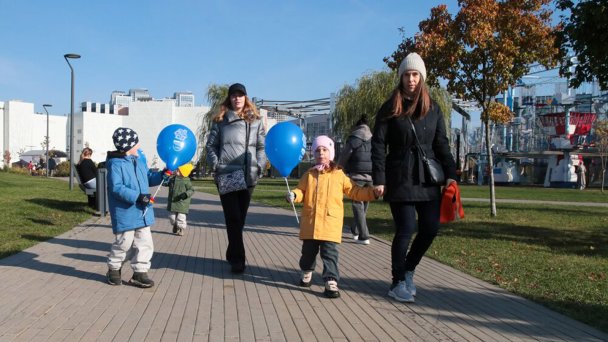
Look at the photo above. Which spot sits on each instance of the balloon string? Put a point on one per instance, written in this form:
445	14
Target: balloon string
292	205
153	197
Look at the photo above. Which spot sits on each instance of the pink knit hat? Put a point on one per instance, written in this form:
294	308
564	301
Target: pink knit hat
325	141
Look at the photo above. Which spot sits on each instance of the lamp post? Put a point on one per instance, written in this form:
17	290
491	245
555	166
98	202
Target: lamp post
67	59
47	137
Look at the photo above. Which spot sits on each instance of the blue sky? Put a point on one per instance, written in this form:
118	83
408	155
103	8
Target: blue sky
281	50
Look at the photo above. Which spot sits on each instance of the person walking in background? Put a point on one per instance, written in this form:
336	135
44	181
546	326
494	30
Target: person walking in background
52	166
129	181
236	142
356	159
87	171
581	172
399	175
322	189
180	194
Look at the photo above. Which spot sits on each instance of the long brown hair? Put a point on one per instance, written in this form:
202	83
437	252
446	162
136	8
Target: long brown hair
86	153
421	101
248	113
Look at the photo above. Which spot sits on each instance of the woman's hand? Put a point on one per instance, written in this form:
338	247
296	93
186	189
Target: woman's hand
450	181
379	191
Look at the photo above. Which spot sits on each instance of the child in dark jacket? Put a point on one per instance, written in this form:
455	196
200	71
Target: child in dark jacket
180	193
130	209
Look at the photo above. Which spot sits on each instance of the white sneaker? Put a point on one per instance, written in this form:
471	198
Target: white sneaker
331	289
355	237
409	282
306	278
400	293
362	242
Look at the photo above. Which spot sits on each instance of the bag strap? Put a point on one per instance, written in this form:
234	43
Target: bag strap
416	137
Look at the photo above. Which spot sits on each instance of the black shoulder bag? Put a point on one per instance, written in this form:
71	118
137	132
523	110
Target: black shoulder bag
433	171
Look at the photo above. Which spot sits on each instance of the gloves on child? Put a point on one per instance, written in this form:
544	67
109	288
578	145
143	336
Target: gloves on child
143	199
182	196
290	197
166	175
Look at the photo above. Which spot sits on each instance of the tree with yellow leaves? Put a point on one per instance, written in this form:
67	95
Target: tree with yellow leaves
482	50
601	143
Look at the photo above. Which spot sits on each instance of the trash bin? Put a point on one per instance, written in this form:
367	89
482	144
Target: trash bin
102	194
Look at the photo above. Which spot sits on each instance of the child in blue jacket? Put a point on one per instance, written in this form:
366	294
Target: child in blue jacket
128	197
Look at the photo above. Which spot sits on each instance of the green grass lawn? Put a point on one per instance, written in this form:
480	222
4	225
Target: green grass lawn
555	255
35	209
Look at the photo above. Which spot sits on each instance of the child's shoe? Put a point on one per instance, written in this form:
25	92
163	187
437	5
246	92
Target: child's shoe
306	278
140	279
180	231
114	277
175	228
331	289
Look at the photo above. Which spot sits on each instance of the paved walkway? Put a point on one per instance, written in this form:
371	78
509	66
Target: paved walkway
56	291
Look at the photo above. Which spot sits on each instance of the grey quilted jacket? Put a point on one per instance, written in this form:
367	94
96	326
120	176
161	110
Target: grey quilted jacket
228	149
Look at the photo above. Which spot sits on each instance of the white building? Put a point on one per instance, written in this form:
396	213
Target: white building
22	129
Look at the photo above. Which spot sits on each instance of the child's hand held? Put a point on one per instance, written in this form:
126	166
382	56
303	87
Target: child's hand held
143	199
290	197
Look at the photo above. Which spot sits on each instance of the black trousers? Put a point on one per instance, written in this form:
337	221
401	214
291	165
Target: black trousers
235	206
404	216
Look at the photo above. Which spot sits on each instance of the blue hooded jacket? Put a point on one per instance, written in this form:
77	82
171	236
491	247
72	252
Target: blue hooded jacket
128	177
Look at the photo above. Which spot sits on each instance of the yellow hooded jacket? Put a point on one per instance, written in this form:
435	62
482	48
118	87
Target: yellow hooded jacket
322	195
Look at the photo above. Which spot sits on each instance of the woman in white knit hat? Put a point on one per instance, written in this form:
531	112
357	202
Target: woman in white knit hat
399	175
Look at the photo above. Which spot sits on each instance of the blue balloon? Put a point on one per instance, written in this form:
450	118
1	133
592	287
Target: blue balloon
176	145
285	147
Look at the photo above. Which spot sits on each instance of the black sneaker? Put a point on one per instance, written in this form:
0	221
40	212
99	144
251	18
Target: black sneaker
140	279
114	277
175	228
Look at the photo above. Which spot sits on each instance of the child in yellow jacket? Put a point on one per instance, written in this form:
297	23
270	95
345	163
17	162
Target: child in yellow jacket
321	190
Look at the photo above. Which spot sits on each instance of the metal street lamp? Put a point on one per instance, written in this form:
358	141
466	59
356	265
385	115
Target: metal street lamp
67	57
47	137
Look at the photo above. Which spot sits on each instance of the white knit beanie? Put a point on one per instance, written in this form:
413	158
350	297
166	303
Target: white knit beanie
413	61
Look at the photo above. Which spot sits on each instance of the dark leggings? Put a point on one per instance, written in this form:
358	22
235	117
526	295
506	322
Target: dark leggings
404	216
235	206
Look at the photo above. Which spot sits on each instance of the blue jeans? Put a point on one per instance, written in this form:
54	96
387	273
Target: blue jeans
404	216
329	255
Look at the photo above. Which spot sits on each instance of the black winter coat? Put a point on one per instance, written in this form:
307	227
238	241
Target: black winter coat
400	170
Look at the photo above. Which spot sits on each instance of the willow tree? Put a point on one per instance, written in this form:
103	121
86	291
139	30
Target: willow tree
486	47
364	97
216	93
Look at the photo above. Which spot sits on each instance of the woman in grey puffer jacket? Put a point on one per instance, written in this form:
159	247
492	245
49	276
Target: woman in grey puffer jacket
236	141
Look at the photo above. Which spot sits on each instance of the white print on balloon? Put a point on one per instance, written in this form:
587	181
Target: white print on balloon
178	142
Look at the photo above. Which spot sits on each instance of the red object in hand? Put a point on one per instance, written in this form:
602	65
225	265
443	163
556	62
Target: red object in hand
152	200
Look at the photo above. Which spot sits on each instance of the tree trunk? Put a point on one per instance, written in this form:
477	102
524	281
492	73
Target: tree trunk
490	167
603	175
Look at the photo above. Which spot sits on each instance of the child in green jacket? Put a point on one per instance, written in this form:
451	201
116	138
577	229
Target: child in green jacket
178	202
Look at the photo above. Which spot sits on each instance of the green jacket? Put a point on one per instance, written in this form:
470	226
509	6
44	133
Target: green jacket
177	186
